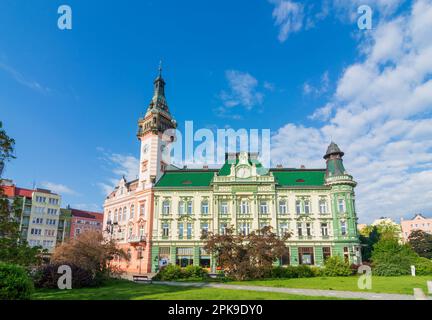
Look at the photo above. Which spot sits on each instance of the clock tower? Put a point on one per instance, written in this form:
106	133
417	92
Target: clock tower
153	136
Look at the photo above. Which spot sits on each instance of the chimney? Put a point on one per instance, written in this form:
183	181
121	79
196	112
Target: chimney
279	166
302	166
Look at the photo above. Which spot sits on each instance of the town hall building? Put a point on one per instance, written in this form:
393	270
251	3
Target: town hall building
163	216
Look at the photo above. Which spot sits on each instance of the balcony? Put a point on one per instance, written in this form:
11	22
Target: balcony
135	240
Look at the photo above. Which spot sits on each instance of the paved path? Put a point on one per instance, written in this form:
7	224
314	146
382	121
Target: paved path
303	292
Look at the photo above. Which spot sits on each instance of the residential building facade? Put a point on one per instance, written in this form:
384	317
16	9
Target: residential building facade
82	221
39	214
159	217
418	222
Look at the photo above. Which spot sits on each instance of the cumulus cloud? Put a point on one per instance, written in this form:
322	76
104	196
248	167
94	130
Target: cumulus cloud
243	91
380	115
118	165
58	188
293	16
288	16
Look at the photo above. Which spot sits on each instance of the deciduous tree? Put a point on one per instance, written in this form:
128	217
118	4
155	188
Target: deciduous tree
246	256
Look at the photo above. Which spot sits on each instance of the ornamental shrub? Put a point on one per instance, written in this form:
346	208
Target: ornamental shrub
173	272
192	271
423	266
15	284
389	258
335	267
47	277
304	271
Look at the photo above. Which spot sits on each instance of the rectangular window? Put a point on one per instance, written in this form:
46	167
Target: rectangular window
165	230
180	230
189	230
323	206
298	207
326	253
285	258
204	208
224	207
343	228
308	229
299	229
244	228
181	207
307	207
346	254
166	207
189	207
263	207
324	229
204	229
283	228
306	255
341	205
282	207
244	207
222	227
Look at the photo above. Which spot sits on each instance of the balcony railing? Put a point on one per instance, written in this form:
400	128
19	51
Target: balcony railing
137	239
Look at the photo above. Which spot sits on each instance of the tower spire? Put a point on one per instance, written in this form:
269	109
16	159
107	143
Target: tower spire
334	161
160	68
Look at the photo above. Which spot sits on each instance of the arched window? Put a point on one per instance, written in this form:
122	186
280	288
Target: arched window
124	213
132	211
115	216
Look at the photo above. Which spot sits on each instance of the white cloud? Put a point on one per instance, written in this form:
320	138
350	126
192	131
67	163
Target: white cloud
322	88
243	90
288	16
291	16
21	79
380	115
119	165
58	188
88	207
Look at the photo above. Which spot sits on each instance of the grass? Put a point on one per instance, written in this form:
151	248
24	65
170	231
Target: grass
401	284
127	290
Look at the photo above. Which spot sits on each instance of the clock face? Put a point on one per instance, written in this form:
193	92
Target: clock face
243	172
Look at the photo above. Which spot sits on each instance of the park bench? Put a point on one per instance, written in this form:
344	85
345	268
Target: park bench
141	278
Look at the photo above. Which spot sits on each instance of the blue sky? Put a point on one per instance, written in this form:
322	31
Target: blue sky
71	98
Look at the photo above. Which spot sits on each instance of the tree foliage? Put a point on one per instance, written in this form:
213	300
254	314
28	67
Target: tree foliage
15	284
421	242
390	258
246	256
6	147
12	248
89	251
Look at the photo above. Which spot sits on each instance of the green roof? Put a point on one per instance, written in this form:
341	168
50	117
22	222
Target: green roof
186	178
299	177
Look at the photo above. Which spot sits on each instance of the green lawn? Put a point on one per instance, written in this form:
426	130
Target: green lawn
127	290
402	284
